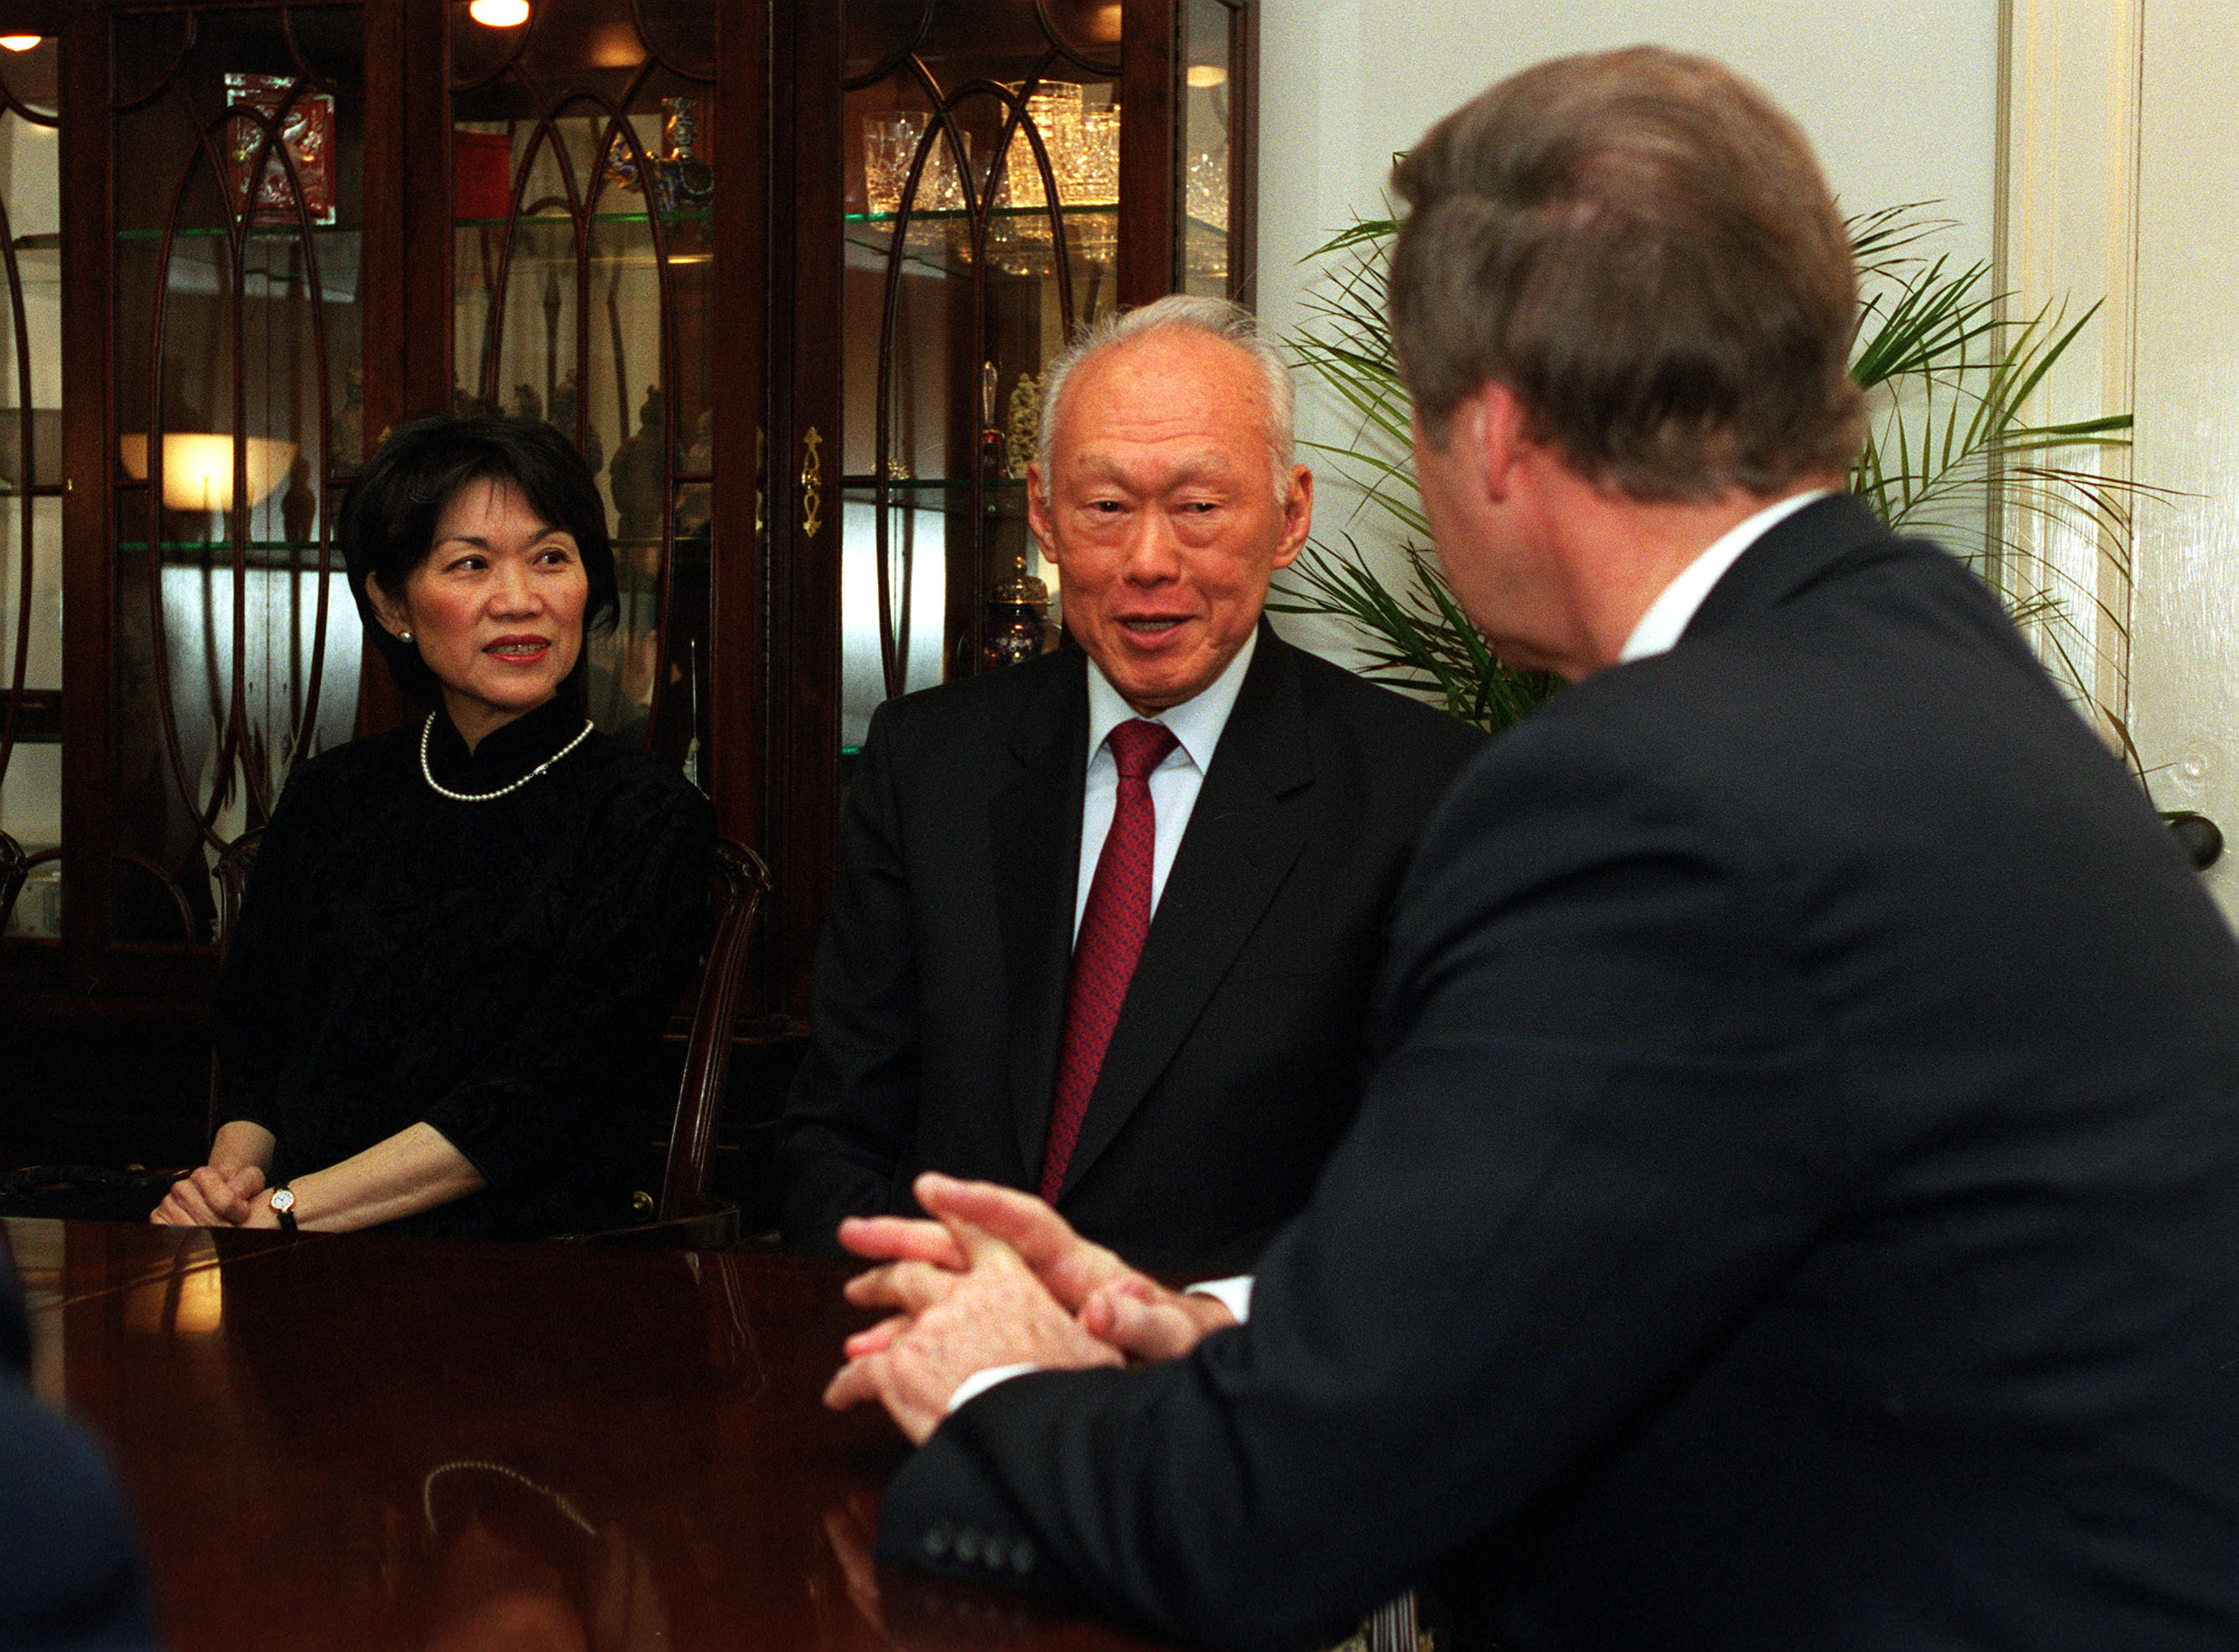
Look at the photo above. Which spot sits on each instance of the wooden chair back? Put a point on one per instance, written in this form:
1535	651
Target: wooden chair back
741	882
232	873
15	866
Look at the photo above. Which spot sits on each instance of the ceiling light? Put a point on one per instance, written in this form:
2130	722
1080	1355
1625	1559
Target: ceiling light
499	14
1203	75
18	42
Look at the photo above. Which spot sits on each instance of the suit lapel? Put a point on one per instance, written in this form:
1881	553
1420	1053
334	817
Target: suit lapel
1244	835
1034	842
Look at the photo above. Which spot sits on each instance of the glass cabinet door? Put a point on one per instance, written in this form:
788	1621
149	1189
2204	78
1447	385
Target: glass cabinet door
30	479
982	223
983	150
1218	126
237	143
584	282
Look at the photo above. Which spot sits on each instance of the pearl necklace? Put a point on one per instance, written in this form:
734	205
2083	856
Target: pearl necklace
428	775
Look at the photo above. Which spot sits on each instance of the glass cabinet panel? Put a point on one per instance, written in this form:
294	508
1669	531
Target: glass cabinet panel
1213	248
983	166
237	143
32	482
983	197
584	282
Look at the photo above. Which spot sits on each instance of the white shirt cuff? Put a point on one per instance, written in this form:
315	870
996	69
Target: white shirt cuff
1233	1293
979	1382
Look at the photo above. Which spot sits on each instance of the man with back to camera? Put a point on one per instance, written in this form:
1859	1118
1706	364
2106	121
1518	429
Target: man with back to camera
1795	1199
1176	1104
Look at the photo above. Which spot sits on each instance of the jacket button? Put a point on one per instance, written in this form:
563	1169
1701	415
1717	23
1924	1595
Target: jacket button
967	1546
1022	1557
938	1540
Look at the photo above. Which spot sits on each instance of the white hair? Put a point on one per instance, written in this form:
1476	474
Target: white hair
1175	313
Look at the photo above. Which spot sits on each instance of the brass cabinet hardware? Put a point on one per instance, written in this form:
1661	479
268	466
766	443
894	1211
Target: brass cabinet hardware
812	483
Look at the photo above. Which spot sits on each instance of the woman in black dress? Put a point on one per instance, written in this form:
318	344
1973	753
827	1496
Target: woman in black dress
461	936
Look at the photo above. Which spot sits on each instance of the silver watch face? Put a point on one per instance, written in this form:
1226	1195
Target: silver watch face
283	1200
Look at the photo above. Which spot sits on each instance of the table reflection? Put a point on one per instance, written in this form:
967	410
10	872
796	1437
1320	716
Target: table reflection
362	1441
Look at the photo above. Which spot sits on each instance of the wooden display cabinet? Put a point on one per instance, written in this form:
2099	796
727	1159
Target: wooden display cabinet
758	262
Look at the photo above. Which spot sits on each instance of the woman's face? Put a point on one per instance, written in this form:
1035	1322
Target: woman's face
495	607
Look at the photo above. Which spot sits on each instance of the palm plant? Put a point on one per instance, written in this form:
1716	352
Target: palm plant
1951	453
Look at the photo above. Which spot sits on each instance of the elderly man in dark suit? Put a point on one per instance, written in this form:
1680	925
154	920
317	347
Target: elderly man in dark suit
1796	1202
1178	1101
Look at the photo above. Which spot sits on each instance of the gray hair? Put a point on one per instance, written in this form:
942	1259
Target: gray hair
1179	312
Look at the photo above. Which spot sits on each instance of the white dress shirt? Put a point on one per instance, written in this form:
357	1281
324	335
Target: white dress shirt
1197	724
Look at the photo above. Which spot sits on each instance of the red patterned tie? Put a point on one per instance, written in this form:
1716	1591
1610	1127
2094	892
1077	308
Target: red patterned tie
1112	929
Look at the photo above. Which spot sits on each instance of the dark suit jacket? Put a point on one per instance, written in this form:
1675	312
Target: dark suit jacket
1795	1203
1236	1063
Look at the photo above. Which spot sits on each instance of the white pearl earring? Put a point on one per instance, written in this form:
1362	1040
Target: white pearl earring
404	636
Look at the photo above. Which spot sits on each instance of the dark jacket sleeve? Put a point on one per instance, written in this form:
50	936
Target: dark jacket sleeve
542	1090
251	1015
846	1141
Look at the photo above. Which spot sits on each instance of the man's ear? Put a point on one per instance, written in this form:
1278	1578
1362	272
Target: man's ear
1038	519
1298	517
1495	428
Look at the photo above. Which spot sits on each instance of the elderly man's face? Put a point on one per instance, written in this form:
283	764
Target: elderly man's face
1161	512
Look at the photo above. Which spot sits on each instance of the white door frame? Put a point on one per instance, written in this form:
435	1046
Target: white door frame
2118	179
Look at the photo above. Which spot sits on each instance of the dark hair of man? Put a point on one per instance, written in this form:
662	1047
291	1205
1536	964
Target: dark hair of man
1640	247
389	519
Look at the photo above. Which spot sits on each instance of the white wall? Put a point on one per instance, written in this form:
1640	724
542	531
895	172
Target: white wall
1900	97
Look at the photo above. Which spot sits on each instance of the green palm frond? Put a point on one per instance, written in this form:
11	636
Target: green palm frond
1950	374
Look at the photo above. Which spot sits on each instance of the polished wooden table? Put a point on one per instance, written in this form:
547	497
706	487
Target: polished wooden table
362	1441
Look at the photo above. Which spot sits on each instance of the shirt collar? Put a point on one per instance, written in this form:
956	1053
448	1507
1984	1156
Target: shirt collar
1196	722
1667	617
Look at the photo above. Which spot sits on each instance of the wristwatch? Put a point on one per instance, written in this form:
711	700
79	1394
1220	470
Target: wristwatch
283	1206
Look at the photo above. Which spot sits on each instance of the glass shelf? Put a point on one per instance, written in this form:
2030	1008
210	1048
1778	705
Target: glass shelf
933	484
266	555
681	215
257	232
962	214
1000	497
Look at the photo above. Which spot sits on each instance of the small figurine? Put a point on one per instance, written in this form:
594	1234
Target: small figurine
565	396
299	505
1023	421
1018	629
992	451
637	479
346	439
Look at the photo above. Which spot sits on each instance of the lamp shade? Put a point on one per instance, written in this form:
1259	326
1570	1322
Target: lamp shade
198	469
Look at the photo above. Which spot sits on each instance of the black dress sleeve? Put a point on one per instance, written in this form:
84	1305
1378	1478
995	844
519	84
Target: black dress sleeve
253	1016
555	1096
